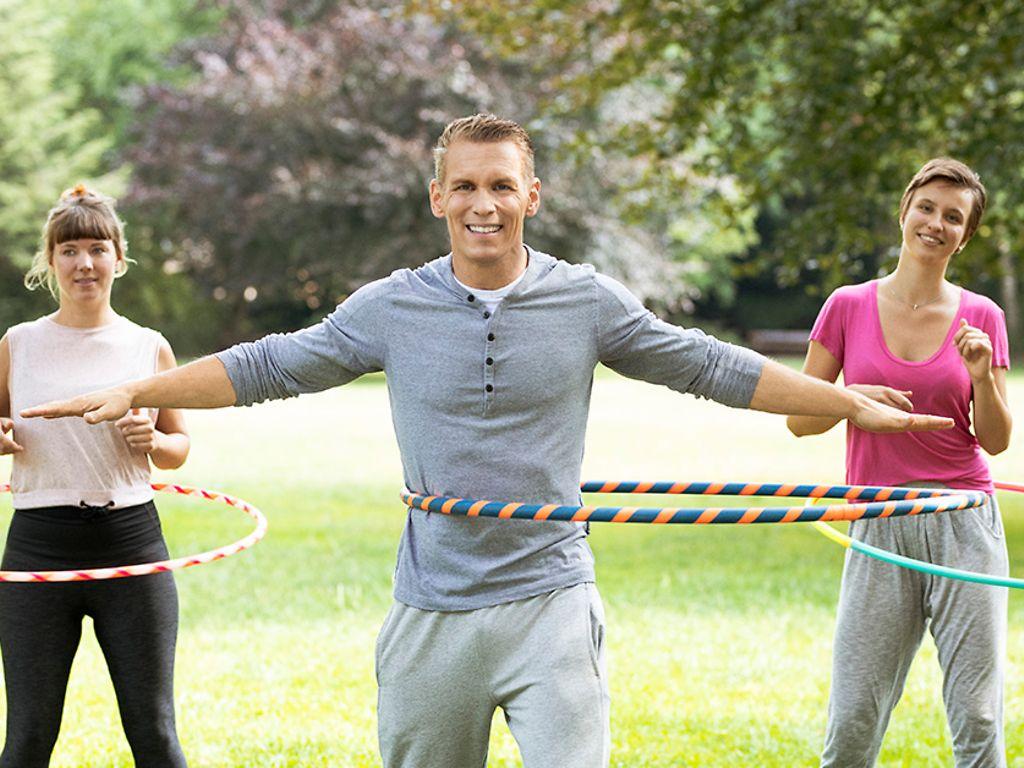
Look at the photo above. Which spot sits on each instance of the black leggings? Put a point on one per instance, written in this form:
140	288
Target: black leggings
135	619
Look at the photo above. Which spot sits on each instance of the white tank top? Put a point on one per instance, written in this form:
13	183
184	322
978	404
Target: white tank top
67	461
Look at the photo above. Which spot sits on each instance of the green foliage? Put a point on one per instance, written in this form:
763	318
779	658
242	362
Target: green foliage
46	144
282	148
294	167
818	111
272	156
110	49
72	70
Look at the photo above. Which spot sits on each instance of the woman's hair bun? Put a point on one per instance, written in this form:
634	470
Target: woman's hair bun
79	190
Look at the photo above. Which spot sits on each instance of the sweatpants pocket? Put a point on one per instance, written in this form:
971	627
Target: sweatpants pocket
595	618
987	518
378	648
992	518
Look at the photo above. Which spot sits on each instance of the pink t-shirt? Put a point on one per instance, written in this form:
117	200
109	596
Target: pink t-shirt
849	328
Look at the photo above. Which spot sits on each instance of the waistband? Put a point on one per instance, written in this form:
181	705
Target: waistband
82	512
66	537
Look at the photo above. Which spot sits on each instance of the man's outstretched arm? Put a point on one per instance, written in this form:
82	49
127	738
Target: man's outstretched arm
781	390
200	384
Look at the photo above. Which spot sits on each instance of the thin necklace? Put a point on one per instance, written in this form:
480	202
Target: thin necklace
913	306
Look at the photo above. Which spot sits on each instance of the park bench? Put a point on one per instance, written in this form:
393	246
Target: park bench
778	342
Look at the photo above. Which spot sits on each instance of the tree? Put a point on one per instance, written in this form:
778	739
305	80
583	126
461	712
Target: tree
70	72
110	49
46	144
819	111
294	168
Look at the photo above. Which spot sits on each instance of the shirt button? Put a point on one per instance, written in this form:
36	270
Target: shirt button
489	361
489	388
490	337
471	297
486	315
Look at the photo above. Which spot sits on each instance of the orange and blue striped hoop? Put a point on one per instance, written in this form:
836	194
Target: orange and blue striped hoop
161	566
923	566
859	502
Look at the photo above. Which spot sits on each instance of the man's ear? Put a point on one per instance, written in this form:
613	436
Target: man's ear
534	193
436	201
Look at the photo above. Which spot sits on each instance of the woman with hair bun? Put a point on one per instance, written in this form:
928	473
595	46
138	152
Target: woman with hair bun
916	341
82	498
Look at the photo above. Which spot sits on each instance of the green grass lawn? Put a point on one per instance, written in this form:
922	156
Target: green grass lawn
719	638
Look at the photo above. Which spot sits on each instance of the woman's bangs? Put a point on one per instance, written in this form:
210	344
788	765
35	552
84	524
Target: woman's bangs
82	223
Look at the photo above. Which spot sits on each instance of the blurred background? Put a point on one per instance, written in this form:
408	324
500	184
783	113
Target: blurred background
731	161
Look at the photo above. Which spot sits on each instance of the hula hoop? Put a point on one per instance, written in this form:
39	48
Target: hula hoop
160	566
920	565
869	502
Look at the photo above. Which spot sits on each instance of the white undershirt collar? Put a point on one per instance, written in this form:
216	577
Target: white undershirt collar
491	298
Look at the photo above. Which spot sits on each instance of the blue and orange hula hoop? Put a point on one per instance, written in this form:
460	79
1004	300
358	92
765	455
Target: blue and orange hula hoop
923	566
860	502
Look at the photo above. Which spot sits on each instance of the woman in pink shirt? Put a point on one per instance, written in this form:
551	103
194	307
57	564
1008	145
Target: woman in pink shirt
916	341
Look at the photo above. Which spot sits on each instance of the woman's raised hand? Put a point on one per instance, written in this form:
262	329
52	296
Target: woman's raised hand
897	398
139	431
975	349
7	444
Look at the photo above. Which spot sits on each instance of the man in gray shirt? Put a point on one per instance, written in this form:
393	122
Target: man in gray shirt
489	354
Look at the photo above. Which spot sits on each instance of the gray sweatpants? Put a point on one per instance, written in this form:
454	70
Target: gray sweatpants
441	674
883	612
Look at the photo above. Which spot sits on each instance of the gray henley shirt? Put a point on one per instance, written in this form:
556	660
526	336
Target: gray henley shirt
491	406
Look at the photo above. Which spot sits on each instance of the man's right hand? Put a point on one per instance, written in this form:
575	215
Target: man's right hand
7	444
104	405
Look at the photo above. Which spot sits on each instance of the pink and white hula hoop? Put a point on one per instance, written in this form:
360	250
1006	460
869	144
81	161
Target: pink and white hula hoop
142	569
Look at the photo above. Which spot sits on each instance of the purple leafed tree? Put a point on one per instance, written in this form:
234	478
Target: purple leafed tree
294	167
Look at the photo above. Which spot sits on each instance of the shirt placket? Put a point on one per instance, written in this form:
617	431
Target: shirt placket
490	389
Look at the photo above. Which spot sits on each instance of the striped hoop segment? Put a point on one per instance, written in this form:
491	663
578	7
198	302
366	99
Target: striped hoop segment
921	565
862	502
143	569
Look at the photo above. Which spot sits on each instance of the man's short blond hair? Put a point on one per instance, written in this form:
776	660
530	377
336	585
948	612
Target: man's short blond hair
956	174
482	128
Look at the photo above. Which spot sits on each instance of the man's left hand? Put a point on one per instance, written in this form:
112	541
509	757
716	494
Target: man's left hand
873	416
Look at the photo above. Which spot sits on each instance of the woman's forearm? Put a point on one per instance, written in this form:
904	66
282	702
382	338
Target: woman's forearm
171	450
992	420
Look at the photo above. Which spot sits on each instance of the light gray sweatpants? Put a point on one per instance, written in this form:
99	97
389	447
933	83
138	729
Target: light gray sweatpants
441	674
883	612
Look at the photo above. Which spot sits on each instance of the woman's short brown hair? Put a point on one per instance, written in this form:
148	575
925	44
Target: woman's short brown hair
956	174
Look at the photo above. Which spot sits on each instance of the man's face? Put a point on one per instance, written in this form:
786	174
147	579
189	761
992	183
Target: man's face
485	199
